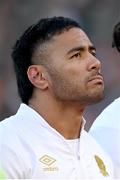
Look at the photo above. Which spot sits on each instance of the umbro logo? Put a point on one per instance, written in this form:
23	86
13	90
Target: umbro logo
47	160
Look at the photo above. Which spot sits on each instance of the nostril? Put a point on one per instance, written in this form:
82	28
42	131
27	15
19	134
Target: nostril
94	67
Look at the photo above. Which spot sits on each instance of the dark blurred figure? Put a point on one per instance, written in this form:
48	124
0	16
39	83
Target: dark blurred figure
106	128
5	110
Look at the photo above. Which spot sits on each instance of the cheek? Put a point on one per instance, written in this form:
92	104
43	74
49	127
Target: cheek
76	72
76	66
76	79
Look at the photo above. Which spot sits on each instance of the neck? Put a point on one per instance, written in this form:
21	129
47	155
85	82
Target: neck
65	117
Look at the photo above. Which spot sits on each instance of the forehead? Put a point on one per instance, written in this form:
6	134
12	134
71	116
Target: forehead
71	38
62	43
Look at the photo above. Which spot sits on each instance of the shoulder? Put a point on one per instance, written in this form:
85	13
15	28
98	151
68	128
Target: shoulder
106	128
6	128
94	146
98	153
8	134
113	106
12	153
109	117
14	128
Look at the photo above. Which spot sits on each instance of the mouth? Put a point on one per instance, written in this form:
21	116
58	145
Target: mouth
97	79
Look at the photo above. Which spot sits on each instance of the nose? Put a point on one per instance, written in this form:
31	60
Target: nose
94	64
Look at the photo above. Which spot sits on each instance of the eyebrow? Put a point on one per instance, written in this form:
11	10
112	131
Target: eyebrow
91	47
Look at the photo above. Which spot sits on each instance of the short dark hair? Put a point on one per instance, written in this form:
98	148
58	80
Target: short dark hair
34	36
116	36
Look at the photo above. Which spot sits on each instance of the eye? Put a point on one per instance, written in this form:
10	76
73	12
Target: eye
76	55
93	53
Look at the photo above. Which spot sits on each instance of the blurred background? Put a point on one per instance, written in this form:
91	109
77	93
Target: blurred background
97	19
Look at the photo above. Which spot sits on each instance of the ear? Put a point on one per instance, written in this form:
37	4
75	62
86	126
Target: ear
37	76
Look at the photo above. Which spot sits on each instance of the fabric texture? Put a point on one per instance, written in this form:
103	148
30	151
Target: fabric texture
106	130
30	148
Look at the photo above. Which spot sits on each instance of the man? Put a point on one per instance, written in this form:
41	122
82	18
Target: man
58	75
106	128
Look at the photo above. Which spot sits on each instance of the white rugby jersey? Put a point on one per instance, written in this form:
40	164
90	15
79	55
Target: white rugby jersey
106	130
30	148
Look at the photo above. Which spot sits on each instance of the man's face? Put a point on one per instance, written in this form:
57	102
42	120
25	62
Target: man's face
74	70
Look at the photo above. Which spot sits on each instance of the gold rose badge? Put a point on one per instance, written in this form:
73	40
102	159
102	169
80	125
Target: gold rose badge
101	166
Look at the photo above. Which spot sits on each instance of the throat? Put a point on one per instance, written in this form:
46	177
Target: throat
67	119
68	129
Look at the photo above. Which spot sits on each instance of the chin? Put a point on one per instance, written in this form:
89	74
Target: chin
97	98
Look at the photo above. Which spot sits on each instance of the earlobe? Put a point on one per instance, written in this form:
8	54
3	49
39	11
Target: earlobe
37	76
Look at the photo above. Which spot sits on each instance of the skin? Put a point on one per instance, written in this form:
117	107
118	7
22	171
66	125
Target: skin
71	82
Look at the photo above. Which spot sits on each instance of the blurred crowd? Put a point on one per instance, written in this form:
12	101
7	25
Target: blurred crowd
96	17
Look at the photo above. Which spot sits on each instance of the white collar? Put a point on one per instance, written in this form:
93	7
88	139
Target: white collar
31	115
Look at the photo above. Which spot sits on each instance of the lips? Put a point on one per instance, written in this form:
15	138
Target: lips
96	79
